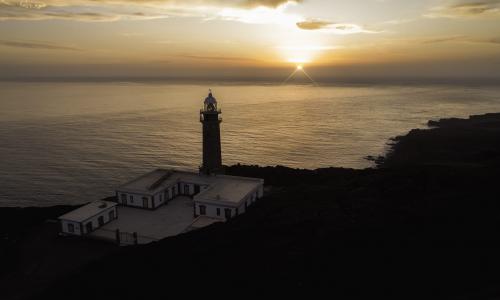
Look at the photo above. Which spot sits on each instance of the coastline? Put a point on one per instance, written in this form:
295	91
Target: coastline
435	190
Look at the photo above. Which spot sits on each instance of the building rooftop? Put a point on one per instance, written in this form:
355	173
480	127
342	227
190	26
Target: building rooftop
230	189
221	188
87	211
159	179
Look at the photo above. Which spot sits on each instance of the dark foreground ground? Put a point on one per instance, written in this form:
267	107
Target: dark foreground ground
424	224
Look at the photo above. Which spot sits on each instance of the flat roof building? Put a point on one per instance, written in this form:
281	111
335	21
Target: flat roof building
166	202
88	218
160	186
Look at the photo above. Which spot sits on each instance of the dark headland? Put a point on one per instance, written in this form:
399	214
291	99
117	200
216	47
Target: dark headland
424	224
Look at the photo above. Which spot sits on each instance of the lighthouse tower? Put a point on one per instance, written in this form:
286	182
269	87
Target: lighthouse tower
209	117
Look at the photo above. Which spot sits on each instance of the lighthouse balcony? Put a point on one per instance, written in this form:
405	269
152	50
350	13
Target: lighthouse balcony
210	111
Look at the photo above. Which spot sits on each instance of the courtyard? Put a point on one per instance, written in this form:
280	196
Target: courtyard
150	225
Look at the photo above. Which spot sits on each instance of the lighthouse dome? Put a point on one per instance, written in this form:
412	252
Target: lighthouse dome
210	99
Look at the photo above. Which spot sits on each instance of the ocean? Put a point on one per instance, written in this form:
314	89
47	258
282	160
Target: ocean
74	142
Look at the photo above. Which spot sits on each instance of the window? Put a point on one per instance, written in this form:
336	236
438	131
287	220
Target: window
218	211
111	215
71	228
124	198
100	220
203	210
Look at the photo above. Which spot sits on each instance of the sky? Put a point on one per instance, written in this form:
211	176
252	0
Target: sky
250	38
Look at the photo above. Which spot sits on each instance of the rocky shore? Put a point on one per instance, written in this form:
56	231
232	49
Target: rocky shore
424	224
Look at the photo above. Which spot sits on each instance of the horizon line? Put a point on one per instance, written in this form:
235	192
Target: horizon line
271	80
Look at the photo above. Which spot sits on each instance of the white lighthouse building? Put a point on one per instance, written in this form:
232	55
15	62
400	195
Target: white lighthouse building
166	202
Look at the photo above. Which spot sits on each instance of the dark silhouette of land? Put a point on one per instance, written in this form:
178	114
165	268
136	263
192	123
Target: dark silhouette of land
424	224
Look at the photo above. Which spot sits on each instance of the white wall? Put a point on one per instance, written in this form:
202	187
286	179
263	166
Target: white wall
132	199
159	199
241	209
95	221
260	192
191	188
65	227
135	200
169	193
211	210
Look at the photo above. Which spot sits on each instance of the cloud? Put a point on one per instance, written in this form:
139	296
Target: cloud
336	28
452	39
158	3
259	15
466	9
111	10
267	3
37	45
26	10
313	25
495	40
445	39
398	21
219	58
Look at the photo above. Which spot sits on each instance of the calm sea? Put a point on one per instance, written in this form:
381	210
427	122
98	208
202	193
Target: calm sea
67	143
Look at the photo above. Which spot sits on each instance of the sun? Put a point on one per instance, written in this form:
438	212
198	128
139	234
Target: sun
300	69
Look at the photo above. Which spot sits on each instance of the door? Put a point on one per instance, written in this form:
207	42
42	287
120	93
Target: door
227	213
203	210
145	202
124	199
196	189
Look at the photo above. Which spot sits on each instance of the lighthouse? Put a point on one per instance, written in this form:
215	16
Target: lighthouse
209	117
199	199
